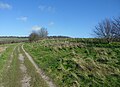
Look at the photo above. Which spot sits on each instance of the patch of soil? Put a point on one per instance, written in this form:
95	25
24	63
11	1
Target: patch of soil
2	49
26	78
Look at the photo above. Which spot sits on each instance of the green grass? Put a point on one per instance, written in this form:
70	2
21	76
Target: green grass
12	75
74	62
4	58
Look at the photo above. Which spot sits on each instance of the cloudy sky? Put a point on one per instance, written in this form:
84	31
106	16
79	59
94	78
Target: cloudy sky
75	18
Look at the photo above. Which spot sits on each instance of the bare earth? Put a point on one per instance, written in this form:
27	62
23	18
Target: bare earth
26	79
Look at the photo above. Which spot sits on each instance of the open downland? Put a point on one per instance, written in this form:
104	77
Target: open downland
78	62
68	62
18	71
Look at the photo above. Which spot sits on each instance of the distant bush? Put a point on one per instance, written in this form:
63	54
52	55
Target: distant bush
36	35
33	37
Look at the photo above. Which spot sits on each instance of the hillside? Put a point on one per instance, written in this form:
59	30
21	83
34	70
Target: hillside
78	62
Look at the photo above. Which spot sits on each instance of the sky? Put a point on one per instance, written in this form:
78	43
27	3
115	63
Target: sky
74	18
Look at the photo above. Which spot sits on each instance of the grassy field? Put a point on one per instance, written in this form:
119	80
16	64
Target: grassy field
8	40
78	62
14	39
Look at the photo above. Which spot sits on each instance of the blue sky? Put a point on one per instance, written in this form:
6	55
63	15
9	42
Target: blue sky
74	18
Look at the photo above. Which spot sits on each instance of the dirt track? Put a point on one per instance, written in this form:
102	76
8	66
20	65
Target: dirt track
22	71
42	74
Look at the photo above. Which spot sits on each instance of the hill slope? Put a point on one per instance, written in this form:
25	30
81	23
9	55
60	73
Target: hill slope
78	62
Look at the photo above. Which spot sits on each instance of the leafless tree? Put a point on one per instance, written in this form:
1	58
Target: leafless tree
116	28
43	33
104	30
36	35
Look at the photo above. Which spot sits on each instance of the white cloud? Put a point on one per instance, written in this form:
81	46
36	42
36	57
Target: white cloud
23	18
51	23
46	8
36	28
5	6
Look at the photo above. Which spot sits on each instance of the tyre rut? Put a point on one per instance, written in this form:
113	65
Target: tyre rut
40	71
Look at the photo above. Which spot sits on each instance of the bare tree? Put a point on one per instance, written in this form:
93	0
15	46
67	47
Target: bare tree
104	30
43	33
36	35
116	28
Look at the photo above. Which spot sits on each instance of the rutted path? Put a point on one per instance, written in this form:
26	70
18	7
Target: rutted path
7	65
21	72
42	74
26	79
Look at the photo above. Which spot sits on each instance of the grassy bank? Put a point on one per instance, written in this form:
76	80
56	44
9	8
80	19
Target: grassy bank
74	62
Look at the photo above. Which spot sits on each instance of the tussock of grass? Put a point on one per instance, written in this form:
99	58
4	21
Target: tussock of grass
75	62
